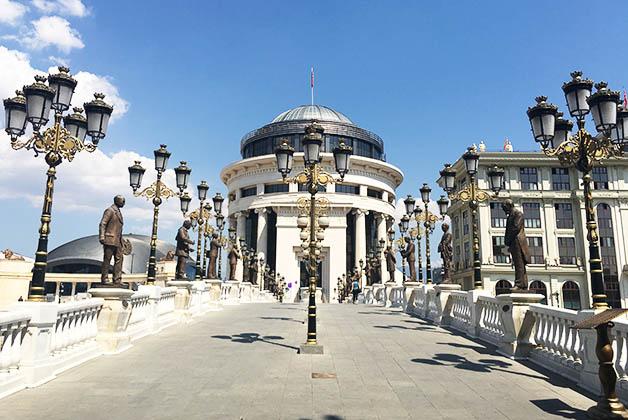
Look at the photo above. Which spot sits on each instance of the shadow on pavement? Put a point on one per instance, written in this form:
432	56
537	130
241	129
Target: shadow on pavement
282	318
422	328
249	338
326	417
557	407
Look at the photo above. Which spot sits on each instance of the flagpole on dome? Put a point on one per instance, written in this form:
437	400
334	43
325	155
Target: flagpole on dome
312	85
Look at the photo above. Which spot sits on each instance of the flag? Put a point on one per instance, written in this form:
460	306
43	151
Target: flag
312	85
625	100
505	144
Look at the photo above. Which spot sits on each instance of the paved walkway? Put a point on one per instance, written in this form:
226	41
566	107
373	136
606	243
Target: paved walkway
241	363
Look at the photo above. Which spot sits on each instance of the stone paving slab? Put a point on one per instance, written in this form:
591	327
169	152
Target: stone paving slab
241	363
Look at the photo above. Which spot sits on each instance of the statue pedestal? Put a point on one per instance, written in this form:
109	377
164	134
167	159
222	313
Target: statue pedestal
183	299
409	294
234	293
113	318
388	293
369	298
512	312
443	303
246	294
214	294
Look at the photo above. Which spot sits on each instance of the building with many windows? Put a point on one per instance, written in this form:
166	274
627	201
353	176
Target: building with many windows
263	208
552	200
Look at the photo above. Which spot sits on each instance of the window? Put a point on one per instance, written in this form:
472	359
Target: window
304	187
348	189
571	296
232	196
528	179
465	222
456	227
467	256
539	287
503	287
600	178
457	258
567	251
374	193
498	216
560	179
535	245
247	192
564	215
500	255
531	215
607	249
362	148
275	188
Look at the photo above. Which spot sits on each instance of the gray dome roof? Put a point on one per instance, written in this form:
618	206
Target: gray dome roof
89	251
312	112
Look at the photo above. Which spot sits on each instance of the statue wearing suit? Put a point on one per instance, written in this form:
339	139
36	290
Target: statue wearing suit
110	236
233	257
214	249
183	248
517	243
446	252
390	263
408	254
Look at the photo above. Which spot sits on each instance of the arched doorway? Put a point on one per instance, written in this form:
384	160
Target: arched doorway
503	287
571	296
538	287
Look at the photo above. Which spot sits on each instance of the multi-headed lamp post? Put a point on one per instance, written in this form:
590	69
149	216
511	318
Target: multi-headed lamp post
220	224
404	223
158	191
416	213
473	195
583	150
312	175
33	104
200	222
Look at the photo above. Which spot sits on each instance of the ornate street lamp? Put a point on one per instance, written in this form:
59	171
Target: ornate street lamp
158	191
312	175
473	195
200	222
220	224
33	104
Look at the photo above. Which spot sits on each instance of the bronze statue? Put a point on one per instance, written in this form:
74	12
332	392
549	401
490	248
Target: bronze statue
233	257
408	254
446	253
390	263
517	243
212	254
183	248
110	236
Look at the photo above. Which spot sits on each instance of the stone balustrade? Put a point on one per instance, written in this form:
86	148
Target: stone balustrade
13	328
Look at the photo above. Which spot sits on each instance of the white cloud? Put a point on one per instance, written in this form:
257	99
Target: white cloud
63	7
53	31
89	83
59	61
12	11
15	71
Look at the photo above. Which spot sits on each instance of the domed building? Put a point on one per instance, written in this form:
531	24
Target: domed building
263	208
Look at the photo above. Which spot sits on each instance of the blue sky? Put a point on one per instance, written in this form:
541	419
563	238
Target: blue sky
429	77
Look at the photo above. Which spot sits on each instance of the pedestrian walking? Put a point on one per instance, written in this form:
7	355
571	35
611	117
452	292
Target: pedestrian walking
356	290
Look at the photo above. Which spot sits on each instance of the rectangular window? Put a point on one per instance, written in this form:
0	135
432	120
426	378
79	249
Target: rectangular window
247	192
347	189
232	196
374	193
535	245
467	256
455	233
275	188
457	257
600	178
500	254
531	215
304	187
528	179
567	251
560	179
498	216
465	222
564	215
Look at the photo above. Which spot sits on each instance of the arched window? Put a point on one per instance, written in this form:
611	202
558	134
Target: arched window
502	287
538	287
607	251
571	296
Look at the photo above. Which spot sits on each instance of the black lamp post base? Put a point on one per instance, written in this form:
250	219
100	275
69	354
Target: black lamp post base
310	349
608	409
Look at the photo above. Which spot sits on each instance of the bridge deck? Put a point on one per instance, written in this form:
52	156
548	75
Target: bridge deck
241	363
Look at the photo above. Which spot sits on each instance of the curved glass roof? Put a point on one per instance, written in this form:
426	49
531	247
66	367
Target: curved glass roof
312	112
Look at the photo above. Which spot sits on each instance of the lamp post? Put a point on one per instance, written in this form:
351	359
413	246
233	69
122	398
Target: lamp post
430	220
158	191
220	224
401	242
583	151
416	213
33	104
473	195
200	222
313	175
207	231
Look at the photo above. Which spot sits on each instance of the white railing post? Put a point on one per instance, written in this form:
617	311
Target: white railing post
517	327
444	302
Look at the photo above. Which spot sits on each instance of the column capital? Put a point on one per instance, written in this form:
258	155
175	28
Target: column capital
241	213
261	210
359	212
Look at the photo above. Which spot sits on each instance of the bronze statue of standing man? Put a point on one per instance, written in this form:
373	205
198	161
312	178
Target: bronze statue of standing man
183	248
446	252
233	258
517	243
408	254
110	236
390	263
214	249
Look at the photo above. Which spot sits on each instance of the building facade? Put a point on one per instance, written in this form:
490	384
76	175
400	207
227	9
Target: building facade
263	208
552	200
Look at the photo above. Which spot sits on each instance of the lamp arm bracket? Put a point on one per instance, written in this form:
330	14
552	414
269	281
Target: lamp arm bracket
55	139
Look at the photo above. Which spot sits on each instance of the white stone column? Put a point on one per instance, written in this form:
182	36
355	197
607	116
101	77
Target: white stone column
360	240
381	234
240	233
262	231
